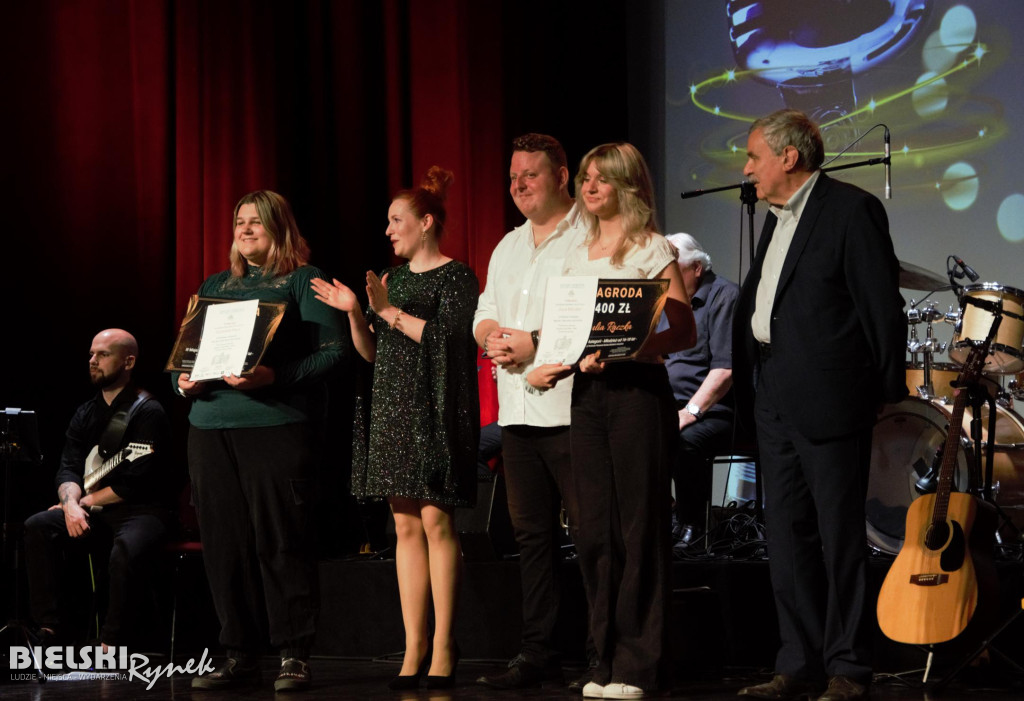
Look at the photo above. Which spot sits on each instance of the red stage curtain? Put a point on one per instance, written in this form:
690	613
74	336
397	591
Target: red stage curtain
136	125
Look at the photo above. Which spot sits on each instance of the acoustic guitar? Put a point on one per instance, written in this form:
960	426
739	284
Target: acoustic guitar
96	468
932	589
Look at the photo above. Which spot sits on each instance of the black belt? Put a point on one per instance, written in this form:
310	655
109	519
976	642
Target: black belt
765	348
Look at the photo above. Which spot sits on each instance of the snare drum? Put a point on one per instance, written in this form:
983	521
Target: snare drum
904	443
943	377
1006	354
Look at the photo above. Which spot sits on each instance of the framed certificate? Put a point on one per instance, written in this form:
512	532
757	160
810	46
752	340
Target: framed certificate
221	336
583	314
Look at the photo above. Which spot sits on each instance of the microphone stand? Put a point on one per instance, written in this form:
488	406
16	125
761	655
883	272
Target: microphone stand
748	192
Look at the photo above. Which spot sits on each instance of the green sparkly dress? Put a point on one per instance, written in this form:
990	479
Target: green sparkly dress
424	411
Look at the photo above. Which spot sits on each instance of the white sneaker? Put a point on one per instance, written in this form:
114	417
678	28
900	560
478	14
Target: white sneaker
622	691
593	690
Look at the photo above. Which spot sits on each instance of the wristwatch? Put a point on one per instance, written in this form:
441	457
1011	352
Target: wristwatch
535	337
695	410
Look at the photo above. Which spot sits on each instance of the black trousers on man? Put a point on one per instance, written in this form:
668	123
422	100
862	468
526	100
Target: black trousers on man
130	532
538	480
814	496
693	464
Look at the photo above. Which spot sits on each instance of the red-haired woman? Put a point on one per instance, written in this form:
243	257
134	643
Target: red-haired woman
424	416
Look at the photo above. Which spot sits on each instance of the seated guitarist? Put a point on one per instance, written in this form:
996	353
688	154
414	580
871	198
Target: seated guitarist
129	511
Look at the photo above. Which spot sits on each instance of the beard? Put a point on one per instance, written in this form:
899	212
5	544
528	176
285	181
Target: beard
101	381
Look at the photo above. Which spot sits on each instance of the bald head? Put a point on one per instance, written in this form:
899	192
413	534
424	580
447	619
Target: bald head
119	338
111	358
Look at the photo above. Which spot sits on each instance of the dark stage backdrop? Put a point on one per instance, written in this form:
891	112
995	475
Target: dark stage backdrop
132	128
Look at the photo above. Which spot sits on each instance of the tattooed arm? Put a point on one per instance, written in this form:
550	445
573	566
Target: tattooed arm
75	517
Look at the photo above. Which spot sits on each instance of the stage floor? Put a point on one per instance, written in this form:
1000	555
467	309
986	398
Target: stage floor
722	624
367	679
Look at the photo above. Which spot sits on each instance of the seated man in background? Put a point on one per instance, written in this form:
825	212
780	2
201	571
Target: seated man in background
115	489
701	379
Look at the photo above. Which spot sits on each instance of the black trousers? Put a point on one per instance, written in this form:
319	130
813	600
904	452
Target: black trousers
252	488
129	533
693	464
814	495
538	480
623	426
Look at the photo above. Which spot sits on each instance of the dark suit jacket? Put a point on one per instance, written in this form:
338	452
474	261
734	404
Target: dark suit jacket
838	328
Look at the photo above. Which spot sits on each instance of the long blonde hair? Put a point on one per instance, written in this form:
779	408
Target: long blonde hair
624	167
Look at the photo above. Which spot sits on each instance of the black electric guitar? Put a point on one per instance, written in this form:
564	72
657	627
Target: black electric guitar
931	591
96	468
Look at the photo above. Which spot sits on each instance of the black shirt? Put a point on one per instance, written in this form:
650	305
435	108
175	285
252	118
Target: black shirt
144	479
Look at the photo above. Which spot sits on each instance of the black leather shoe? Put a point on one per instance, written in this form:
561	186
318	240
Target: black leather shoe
688	535
295	675
842	688
523	675
235	672
781	687
584	679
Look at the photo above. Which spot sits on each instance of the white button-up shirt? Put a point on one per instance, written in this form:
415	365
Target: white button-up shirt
788	216
517	278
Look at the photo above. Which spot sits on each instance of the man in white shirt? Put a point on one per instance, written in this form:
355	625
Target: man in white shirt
535	425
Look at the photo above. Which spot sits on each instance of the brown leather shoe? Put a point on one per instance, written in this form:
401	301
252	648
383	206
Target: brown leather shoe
842	688
782	686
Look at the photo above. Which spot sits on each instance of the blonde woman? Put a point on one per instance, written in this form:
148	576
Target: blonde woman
622	427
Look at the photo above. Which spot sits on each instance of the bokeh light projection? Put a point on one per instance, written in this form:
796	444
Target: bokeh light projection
942	75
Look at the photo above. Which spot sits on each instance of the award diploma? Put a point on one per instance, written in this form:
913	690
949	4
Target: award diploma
583	314
222	336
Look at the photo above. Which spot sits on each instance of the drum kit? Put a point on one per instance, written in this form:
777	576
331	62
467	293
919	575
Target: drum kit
908	436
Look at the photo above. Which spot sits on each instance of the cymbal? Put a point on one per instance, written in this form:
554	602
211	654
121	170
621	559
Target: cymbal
914	277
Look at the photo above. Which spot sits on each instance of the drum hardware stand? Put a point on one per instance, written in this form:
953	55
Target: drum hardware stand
928	346
23	448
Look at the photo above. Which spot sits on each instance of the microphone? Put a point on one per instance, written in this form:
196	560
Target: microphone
888	179
968	270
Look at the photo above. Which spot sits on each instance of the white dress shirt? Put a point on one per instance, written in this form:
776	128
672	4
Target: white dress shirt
788	216
517	278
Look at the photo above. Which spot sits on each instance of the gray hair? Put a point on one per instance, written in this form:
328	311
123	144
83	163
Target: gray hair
689	250
789	127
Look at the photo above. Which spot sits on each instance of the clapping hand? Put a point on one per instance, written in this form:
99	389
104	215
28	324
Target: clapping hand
377	291
334	294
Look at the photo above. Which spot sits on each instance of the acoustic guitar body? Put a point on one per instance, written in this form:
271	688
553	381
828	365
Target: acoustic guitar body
932	589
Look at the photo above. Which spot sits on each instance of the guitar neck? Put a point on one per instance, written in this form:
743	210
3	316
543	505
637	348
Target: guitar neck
949	455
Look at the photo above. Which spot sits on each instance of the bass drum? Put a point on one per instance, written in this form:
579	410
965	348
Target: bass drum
903	447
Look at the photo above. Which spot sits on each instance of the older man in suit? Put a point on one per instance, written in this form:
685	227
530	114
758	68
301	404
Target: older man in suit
819	347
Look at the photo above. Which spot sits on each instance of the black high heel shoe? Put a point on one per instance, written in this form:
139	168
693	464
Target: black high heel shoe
447	681
404	682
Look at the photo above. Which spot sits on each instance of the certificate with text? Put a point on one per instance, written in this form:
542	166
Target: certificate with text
583	314
223	336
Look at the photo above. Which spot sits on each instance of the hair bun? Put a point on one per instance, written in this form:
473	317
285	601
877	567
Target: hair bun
437	181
